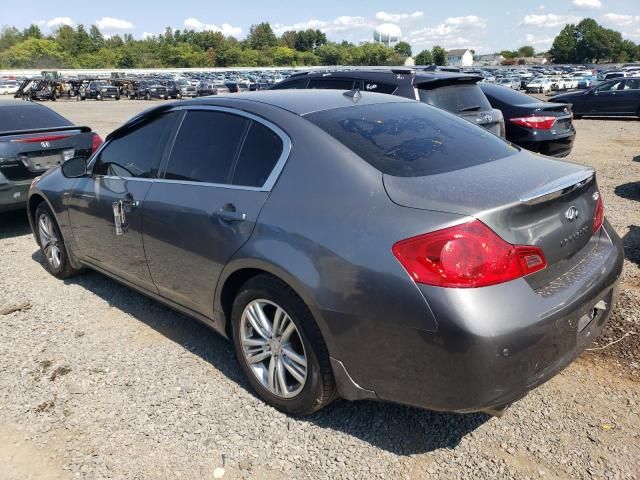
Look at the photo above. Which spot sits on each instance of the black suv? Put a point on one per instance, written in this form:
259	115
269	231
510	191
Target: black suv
98	90
454	92
147	89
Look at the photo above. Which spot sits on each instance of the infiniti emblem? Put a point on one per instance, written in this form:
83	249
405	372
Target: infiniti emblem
571	214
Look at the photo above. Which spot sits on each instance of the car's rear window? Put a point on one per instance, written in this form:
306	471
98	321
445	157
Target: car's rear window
27	117
410	139
508	95
456	98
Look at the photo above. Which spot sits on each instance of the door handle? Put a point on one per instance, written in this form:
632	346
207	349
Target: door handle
232	216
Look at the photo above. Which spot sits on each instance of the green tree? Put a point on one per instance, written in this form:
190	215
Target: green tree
283	56
35	53
9	36
96	38
261	36
526	51
309	39
439	55
32	31
565	45
81	42
403	48
288	39
424	58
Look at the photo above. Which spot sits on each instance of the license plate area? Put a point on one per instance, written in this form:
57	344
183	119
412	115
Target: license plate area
42	163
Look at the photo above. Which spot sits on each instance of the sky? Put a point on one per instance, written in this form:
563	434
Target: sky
485	26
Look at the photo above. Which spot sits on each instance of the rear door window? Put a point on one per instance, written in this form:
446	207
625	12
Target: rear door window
206	147
632	84
457	98
331	83
260	152
379	87
300	83
411	139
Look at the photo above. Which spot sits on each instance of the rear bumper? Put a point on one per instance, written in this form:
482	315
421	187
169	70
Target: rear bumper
493	344
542	141
13	194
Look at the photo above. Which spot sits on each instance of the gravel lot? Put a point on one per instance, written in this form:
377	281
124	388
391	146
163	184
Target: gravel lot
97	381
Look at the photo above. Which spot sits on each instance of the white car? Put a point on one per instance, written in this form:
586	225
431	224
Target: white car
567	83
540	85
8	88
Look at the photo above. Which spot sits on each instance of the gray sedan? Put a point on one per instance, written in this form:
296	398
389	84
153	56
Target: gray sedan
349	244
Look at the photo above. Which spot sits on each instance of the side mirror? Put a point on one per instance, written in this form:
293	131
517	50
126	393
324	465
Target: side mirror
75	167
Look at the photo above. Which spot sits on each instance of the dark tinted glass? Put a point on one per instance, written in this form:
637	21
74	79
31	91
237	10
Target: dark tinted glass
297	84
206	146
379	87
411	139
331	83
137	153
455	98
632	84
260	152
27	117
507	95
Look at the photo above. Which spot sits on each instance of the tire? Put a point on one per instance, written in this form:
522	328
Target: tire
179	96
318	388
147	96
99	97
50	240
118	97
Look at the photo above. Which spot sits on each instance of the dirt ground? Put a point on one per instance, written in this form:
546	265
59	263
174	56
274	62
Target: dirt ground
99	382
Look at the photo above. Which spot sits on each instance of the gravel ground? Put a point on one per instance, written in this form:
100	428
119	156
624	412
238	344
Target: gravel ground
97	381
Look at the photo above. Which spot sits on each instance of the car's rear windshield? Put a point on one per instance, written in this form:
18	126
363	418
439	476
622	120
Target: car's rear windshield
457	98
508	95
410	139
27	117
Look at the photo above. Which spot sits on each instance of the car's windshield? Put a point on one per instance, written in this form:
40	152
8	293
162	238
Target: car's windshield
455	98
411	139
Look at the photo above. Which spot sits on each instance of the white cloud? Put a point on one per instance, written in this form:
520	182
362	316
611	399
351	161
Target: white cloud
225	28
548	20
621	20
398	17
147	35
339	24
542	43
59	21
454	32
110	24
584	4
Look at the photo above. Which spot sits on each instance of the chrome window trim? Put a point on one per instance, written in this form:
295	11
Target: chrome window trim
266	187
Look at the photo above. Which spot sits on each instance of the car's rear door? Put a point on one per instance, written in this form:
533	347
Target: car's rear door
105	208
629	96
218	175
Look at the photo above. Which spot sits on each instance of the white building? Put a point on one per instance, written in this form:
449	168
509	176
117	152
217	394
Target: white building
459	58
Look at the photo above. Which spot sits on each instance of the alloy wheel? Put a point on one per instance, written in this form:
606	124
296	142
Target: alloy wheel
49	241
272	347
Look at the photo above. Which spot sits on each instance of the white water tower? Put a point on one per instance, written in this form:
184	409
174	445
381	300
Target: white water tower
387	33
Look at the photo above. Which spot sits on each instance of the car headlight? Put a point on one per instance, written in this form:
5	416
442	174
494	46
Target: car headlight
153	89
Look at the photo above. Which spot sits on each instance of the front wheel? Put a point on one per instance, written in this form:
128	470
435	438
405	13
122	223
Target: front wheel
52	243
280	347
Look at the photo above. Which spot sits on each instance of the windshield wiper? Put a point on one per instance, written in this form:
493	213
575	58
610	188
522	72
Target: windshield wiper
471	108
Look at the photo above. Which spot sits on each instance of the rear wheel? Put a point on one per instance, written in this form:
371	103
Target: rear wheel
280	347
52	243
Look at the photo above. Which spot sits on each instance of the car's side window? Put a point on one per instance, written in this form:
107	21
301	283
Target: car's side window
260	152
331	83
136	153
608	87
632	84
206	147
293	84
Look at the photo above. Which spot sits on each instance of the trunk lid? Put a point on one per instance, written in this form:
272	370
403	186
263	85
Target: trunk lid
527	200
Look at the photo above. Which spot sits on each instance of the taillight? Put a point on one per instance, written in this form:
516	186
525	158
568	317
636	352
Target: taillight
466	256
598	217
536	121
96	141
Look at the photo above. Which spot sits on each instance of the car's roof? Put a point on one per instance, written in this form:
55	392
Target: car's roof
421	76
9	103
302	101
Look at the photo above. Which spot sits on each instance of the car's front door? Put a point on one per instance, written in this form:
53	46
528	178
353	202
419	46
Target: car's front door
105	209
602	99
206	203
